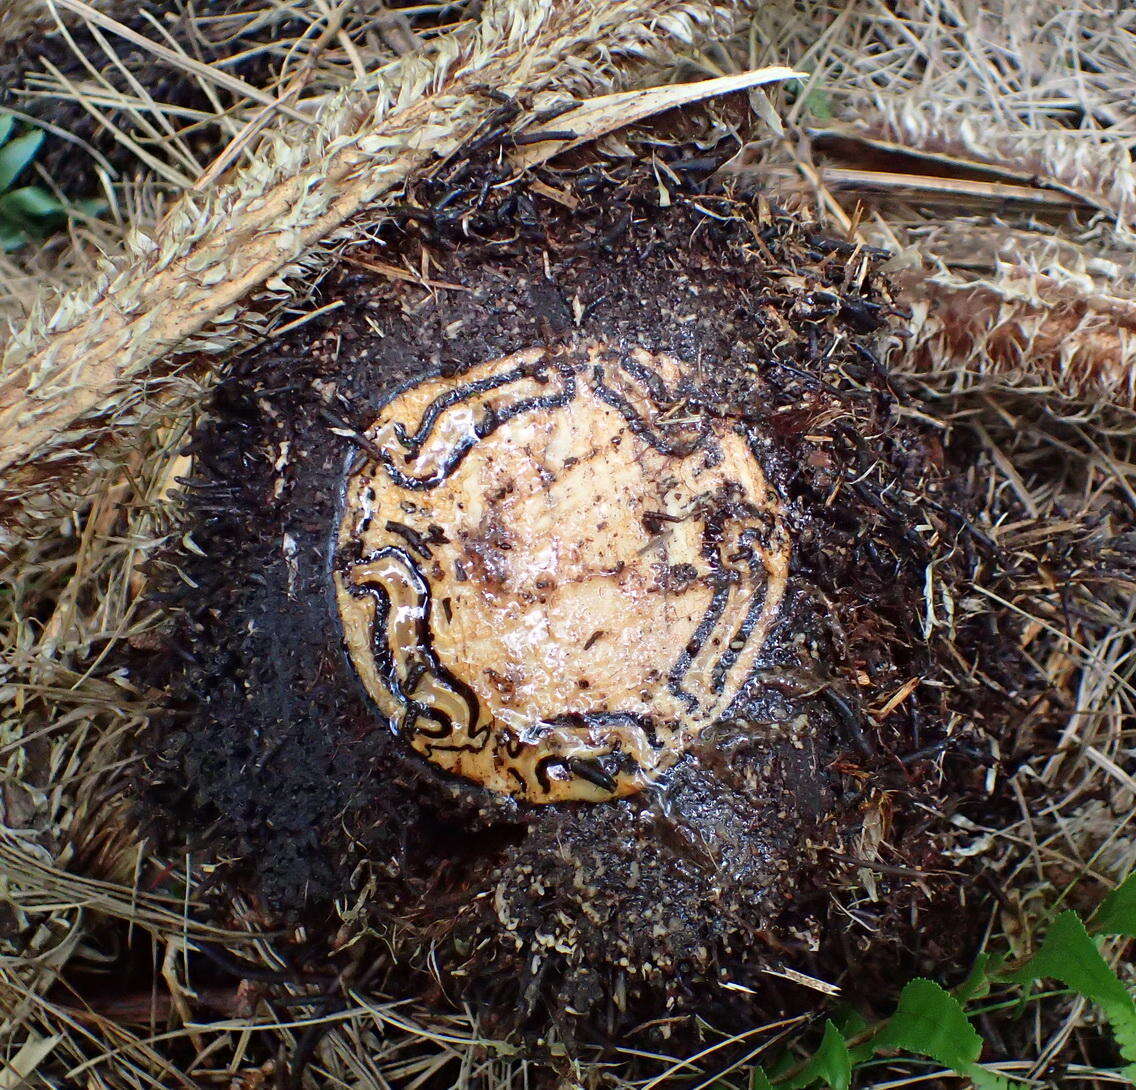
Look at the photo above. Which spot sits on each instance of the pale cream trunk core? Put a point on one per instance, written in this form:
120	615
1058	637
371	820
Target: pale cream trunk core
559	571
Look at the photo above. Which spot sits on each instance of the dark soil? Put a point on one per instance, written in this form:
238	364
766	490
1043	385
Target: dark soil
805	832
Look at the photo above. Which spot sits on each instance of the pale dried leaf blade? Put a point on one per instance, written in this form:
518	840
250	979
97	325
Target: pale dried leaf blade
18	1070
600	116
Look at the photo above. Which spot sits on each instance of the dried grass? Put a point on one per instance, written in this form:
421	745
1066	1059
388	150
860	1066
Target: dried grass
1023	317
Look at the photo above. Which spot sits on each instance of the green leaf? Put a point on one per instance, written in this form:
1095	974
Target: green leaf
987	1080
759	1080
816	102
852	1023
17	154
11	238
89	206
929	1021
30	202
1068	954
7	123
1117	914
978	980
830	1064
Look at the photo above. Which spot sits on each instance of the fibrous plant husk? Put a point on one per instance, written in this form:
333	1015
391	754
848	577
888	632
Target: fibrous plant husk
90	909
879	701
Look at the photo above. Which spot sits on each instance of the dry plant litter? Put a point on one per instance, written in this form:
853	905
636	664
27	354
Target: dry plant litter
1023	303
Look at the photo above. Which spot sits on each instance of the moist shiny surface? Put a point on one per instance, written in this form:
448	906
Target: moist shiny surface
562	570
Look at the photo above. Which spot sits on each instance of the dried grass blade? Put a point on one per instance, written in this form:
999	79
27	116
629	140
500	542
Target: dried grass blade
188	64
600	116
930	185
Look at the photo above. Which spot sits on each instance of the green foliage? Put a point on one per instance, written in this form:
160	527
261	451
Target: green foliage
1070	955
858	1033
28	212
1117	915
932	1023
816	101
16	154
830	1064
978	980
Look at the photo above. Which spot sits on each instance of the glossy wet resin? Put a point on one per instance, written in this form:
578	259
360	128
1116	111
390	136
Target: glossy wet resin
564	570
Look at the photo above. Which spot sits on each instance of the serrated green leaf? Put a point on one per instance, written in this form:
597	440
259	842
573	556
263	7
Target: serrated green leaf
1117	913
30	202
17	154
830	1064
834	1064
1069	954
931	1022
7	123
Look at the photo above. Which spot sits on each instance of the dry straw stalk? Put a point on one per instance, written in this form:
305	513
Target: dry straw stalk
1022	333
100	345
